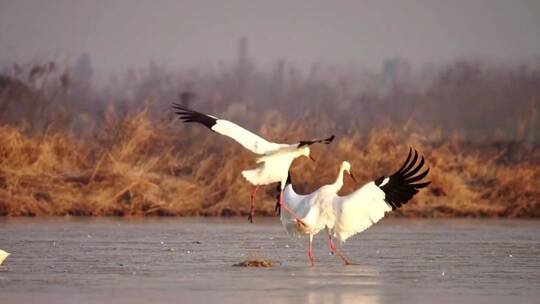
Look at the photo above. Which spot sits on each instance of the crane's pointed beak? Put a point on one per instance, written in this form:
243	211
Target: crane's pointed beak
311	157
352	176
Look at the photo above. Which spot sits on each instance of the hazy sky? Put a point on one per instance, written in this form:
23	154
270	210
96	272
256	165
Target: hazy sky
121	33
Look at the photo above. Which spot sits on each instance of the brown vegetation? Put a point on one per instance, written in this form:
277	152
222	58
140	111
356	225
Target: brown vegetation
61	157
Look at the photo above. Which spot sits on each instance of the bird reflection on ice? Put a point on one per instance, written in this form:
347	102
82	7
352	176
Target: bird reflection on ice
341	285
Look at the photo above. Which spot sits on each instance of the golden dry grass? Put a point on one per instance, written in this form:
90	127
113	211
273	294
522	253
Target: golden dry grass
168	168
67	149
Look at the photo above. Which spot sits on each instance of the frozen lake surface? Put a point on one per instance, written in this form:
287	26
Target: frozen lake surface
188	260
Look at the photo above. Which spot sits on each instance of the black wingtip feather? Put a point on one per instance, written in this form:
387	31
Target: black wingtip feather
406	161
329	139
411	164
325	141
417	178
415	170
187	115
421	185
401	186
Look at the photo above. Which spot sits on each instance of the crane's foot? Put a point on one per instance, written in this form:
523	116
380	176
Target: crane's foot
334	251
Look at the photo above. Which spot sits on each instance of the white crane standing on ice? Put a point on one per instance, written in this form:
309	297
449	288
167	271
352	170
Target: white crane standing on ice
345	216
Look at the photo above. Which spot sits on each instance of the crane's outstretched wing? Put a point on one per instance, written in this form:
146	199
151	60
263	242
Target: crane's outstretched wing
367	205
247	139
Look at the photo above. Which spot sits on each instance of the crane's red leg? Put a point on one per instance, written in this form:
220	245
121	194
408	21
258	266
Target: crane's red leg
252	207
284	207
310	250
334	250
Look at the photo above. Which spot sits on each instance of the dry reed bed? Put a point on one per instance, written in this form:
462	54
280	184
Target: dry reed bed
145	167
67	147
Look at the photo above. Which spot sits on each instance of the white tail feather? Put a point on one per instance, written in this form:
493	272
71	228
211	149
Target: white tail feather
254	176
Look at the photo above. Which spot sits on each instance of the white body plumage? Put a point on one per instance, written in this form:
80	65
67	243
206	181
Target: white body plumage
274	166
345	216
315	209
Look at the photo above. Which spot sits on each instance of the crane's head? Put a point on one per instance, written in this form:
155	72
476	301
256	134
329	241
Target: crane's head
346	167
305	151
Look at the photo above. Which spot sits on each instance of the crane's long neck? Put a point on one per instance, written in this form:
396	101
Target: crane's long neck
339	180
